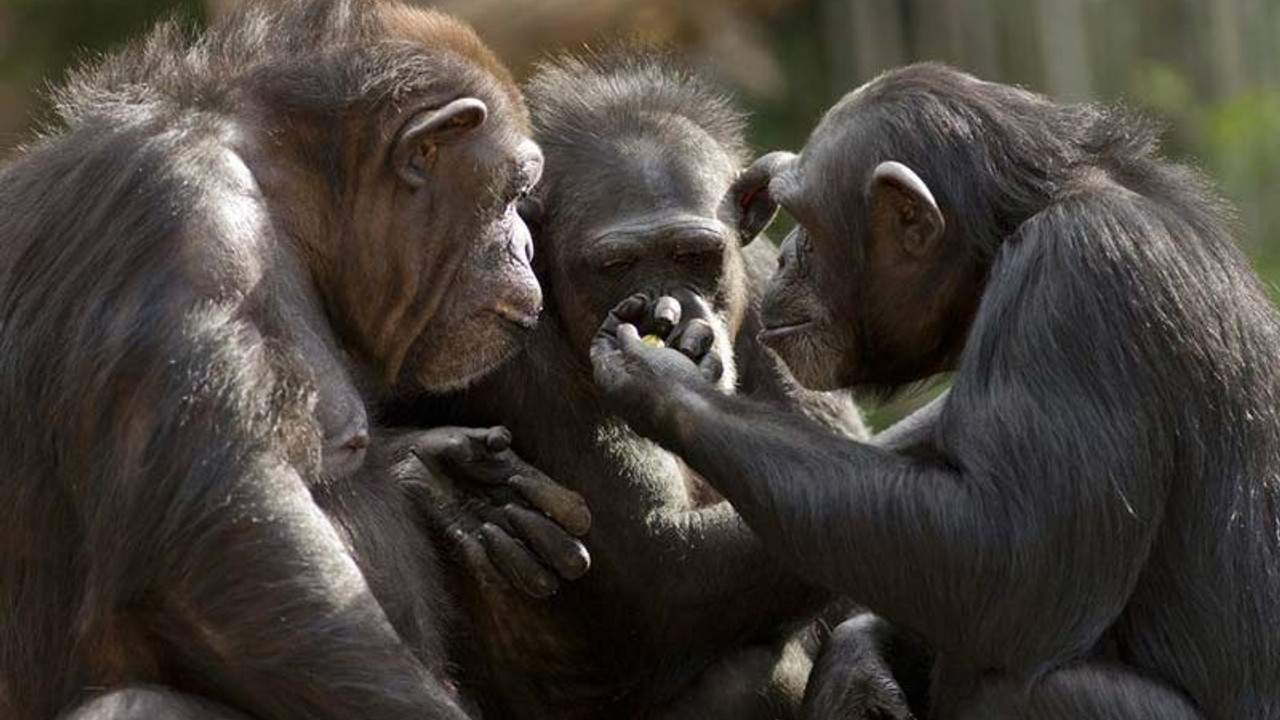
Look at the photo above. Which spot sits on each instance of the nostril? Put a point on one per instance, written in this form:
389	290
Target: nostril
358	441
528	249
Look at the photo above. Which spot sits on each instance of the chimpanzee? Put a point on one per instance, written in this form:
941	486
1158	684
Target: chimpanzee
1087	526
683	613
228	247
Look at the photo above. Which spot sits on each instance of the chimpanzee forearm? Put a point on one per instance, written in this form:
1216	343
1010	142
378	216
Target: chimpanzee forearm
939	546
665	553
797	484
316	643
256	598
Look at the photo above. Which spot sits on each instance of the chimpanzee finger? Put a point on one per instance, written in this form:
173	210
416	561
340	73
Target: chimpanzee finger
556	548
497	439
666	315
564	506
628	338
695	339
711	367
517	564
451	444
631	310
476	559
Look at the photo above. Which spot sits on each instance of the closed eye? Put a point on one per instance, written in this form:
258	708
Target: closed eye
618	265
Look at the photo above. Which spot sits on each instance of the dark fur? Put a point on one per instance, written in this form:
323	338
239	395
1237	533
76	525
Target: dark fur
162	448
1089	527
683	614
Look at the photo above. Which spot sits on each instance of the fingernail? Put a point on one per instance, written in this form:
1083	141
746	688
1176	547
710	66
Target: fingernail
667	309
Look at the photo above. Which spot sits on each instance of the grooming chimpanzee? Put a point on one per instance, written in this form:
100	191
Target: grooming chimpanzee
681	609
1088	524
226	249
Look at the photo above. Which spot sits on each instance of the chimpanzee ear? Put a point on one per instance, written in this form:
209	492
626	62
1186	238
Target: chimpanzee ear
415	148
751	207
898	194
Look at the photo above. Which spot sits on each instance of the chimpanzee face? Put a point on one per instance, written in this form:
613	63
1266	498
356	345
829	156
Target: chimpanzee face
641	216
867	283
438	276
808	309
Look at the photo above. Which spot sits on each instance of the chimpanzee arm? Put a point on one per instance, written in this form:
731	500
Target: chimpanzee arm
194	502
1050	475
653	546
706	561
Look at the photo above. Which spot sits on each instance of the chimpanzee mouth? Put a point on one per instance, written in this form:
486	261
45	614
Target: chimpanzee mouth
519	319
778	332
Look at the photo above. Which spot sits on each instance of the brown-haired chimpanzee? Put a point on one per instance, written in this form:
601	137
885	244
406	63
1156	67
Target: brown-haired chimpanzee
1087	526
683	614
228	247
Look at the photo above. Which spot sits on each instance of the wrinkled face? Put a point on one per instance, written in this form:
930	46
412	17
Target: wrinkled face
641	216
808	308
871	291
439	283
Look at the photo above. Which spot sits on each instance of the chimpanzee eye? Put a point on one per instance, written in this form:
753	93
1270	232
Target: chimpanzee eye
618	265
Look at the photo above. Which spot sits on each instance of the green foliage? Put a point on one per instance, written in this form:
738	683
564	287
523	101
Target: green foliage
1235	139
41	39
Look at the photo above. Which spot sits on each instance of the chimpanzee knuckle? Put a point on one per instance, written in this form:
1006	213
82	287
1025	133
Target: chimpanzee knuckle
498	439
631	310
442	443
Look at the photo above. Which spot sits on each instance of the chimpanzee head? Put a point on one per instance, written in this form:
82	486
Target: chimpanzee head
399	172
901	198
640	155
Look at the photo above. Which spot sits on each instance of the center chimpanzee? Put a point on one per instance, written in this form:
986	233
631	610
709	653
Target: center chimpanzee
226	250
683	614
1087	526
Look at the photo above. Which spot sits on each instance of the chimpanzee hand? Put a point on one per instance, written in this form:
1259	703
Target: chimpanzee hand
853	678
510	524
639	375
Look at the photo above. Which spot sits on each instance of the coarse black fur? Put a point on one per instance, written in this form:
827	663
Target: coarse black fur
1087	525
170	374
683	614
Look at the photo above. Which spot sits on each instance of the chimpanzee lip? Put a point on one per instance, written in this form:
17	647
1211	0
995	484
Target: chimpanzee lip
773	332
521	319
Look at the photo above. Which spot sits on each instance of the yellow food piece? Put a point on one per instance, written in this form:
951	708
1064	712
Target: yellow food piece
653	341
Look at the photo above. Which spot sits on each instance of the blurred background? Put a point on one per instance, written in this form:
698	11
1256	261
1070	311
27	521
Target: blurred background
1209	68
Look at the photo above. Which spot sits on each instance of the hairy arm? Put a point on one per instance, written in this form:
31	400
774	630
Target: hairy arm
195	498
1043	482
684	569
703	574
